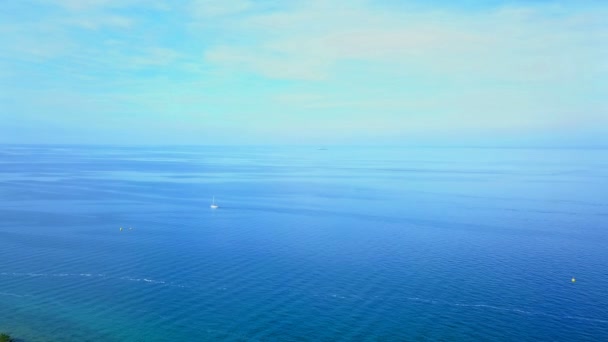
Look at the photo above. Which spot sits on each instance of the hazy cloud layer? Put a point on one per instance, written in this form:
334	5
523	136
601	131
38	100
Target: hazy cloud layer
270	71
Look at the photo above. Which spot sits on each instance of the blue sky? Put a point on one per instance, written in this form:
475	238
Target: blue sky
320	72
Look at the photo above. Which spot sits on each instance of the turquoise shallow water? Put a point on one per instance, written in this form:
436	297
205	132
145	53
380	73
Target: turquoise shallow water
347	244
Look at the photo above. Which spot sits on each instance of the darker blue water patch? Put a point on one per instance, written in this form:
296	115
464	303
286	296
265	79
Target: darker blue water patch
338	245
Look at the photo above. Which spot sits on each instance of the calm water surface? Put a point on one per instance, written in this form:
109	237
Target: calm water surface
347	244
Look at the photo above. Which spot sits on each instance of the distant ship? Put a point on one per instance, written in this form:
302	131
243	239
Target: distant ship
213	205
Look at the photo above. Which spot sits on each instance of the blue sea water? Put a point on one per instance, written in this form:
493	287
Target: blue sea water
344	244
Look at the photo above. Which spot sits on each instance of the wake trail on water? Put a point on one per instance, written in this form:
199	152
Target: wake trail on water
413	299
8	294
92	275
500	308
475	305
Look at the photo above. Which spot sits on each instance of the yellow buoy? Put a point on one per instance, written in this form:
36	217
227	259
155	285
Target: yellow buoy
121	229
573	280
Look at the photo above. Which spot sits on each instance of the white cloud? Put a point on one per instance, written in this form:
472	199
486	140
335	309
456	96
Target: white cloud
505	44
95	22
155	56
502	70
329	67
273	64
91	5
77	5
213	8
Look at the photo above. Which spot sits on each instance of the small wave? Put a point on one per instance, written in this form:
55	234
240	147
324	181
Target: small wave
516	310
587	319
8	294
23	274
486	306
416	299
90	275
152	281
513	310
526	312
30	274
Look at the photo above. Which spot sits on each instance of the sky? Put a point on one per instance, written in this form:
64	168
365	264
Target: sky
488	73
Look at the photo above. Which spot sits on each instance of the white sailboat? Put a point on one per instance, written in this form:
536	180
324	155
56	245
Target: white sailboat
213	205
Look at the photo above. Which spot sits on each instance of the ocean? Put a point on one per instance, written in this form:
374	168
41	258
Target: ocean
342	244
